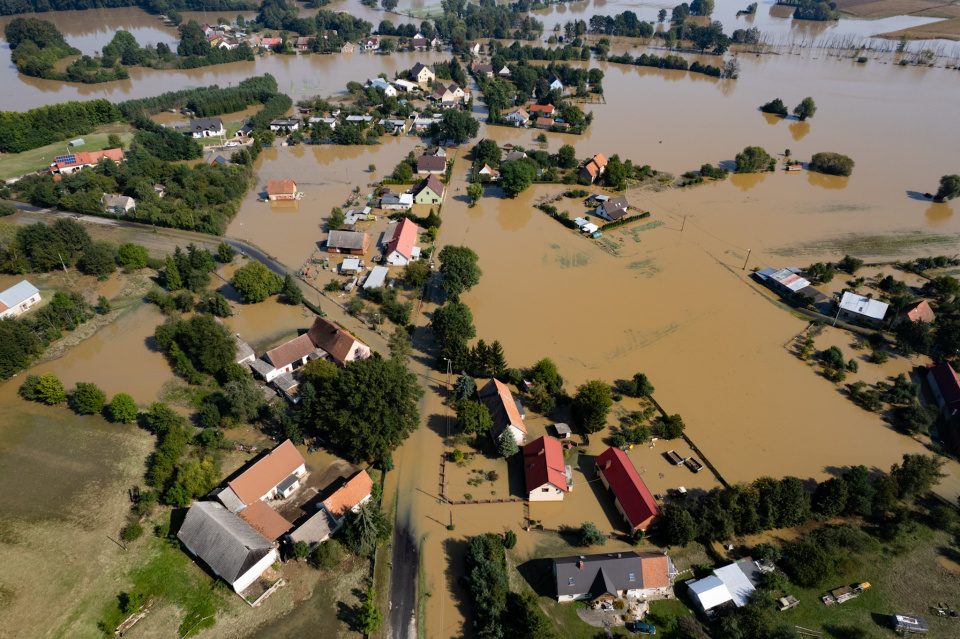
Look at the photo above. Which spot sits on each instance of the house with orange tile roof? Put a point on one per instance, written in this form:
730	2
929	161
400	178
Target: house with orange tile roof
275	475
609	576
289	356
349	497
69	163
541	109
916	312
594	167
547	477
281	190
504	410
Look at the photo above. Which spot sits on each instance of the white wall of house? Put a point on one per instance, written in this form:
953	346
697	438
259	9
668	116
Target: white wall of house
247	578
396	259
566	598
547	492
22	307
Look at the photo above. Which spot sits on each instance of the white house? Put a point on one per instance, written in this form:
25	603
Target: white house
613	209
422	73
857	307
370	44
547	477
206	127
18	299
379	83
402	249
396	201
554	83
290	124
276	475
227	544
504	72
504	411
609	576
519	117
731	583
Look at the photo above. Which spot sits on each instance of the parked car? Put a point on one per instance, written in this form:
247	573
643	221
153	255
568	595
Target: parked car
641	628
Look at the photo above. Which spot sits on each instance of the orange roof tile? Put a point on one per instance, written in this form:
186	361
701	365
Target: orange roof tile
656	570
405	238
265	520
918	312
281	187
292	351
349	495
600	160
543	464
263	476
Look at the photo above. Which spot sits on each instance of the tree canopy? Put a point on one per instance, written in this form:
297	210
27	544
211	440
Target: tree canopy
591	405
458	265
255	282
517	176
831	163
805	109
753	159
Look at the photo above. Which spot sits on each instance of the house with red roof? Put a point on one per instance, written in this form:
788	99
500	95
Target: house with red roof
541	109
349	497
946	391
430	191
276	475
593	168
630	495
504	411
916	312
67	164
548	478
403	248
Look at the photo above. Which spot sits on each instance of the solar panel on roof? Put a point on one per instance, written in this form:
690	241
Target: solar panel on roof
66	159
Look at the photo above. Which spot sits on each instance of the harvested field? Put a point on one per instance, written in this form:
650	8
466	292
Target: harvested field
885	8
946	29
870	245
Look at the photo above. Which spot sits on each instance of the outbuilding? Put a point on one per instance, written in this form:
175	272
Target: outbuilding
18	299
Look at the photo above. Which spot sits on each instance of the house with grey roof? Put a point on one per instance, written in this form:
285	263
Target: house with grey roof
117	204
609	576
206	127
227	544
613	209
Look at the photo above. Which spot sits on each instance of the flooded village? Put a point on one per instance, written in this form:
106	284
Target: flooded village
707	419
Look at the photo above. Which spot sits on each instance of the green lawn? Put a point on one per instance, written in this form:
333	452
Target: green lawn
15	164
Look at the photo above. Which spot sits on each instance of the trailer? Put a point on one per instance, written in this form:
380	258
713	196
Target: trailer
693	464
674	457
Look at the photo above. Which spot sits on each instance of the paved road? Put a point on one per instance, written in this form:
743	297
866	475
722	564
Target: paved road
404	591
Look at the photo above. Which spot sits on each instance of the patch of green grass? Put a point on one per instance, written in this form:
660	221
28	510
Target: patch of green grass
170	575
645	267
610	243
575	260
15	164
8	231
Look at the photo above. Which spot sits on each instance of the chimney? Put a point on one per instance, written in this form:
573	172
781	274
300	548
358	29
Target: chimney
580	564
619	556
607	463
542	451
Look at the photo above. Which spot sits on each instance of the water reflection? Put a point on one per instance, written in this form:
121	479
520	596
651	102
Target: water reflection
746	181
938	214
799	130
514	213
827	181
771	118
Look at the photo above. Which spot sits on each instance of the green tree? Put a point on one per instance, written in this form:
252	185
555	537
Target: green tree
206	343
255	282
590	535
949	188
416	273
365	529
545	373
88	398
464	388
171	276
455	125
369	618
301	550
132	256
507	446
775	107
399	344
832	163
103	304
805	109
474	417
336	219
487	151
242	399
225	253
914	337
458	265
198	476
517	176
644	387
474	192
123	409
661	15
615	174
452	322
915	417
292	294
681	529
830	497
917	474
859	491
46	388
132	532
591	405
809	564
98	259
753	159
217	304
850	264
671	427
497	361
567	157
114	141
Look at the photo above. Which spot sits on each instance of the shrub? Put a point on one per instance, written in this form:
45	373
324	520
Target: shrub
776	107
327	555
333	286
590	535
88	398
123	409
831	163
132	532
46	388
509	540
752	159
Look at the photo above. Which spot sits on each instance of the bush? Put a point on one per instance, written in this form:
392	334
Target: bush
831	163
255	282
132	256
123	409
753	159
590	535
46	388
509	539
88	398
776	107
132	532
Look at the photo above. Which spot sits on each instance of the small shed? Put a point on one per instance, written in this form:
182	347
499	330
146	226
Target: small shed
563	431
77	142
350	265
377	277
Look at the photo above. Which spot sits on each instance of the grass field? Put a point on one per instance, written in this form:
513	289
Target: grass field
15	164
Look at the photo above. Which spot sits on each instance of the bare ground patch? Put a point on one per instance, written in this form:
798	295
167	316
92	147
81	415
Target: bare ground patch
870	245
885	8
945	29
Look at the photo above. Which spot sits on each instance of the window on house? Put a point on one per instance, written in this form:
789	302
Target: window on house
546	490
570	581
633	577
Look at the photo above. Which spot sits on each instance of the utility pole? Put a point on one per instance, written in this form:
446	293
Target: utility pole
746	260
61	262
684	223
